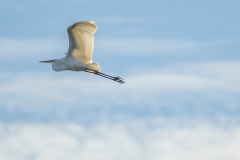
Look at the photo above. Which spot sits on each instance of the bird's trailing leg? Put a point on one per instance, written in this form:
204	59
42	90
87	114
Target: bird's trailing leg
117	79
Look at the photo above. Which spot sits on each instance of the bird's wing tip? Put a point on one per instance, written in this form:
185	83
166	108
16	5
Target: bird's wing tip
91	22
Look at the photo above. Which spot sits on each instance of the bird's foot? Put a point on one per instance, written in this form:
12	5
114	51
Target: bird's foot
119	79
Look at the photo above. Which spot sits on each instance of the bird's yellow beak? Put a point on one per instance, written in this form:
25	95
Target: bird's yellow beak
47	61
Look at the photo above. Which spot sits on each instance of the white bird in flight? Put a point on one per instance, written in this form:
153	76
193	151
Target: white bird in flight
80	51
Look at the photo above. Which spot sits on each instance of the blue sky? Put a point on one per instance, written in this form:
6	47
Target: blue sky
180	60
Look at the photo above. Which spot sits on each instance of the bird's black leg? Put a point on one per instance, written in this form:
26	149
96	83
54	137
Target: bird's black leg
117	79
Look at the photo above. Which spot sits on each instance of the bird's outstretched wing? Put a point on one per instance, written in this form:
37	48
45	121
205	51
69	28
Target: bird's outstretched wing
81	40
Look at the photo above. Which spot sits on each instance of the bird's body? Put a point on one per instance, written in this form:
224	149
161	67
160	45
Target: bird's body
80	51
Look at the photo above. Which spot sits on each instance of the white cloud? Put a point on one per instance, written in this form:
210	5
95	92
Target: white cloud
123	141
199	86
202	86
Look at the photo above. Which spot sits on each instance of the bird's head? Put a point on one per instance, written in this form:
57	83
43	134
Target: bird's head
56	64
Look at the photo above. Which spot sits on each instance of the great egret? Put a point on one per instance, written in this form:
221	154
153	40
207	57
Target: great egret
79	55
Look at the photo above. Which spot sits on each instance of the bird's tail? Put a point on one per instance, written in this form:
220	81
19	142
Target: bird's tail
94	66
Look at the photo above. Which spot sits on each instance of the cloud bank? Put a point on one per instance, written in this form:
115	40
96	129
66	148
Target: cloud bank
124	141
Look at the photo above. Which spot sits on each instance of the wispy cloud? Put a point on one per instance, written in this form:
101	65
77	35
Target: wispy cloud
151	46
22	48
200	89
15	49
